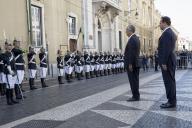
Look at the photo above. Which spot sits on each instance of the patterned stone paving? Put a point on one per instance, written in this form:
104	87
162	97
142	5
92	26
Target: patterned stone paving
109	109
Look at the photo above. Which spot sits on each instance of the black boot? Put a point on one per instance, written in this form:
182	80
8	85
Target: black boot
96	73
92	74
17	92
109	73
116	71
3	89
105	72
60	80
82	75
101	73
12	100
43	83
68	78
87	75
31	84
79	76
8	97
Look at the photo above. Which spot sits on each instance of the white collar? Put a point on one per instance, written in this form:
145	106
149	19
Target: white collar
165	30
131	36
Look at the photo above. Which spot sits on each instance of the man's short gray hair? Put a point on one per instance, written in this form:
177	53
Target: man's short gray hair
131	28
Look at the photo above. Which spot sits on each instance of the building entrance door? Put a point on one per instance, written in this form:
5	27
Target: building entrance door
73	45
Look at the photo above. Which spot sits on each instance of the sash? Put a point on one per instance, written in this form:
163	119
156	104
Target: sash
43	60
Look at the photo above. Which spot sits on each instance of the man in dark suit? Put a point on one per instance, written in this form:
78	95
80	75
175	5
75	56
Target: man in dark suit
131	56
167	61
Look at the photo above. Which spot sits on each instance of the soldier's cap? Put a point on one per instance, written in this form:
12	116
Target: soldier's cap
9	44
31	47
16	41
6	43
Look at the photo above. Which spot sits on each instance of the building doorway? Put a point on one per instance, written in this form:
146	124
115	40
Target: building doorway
72	45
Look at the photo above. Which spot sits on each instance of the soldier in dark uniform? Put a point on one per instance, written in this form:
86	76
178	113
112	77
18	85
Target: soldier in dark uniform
10	73
2	75
106	64
109	62
87	64
43	66
83	63
78	65
113	63
20	67
68	67
97	64
32	67
102	62
92	67
118	62
72	64
60	67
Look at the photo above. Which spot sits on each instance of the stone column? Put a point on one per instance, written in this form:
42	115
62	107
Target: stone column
88	24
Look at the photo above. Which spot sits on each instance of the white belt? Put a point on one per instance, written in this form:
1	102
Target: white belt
43	63
19	63
32	62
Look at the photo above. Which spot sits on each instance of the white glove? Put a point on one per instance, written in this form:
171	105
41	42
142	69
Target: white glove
10	71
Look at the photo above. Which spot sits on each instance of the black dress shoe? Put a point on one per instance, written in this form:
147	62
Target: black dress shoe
14	101
133	99
167	105
33	88
18	97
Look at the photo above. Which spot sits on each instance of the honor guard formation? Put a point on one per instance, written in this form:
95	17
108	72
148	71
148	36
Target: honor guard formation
72	65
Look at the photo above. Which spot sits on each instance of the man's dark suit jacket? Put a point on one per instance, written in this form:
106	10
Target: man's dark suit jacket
132	52
166	48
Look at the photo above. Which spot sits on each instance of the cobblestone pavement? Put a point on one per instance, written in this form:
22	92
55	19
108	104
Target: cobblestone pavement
101	103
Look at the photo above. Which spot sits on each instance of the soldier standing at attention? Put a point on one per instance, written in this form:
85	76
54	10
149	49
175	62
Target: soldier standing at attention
10	73
92	67
68	67
87	64
2	81
102	62
106	64
97	64
60	67
32	67
109	63
20	67
43	66
78	65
